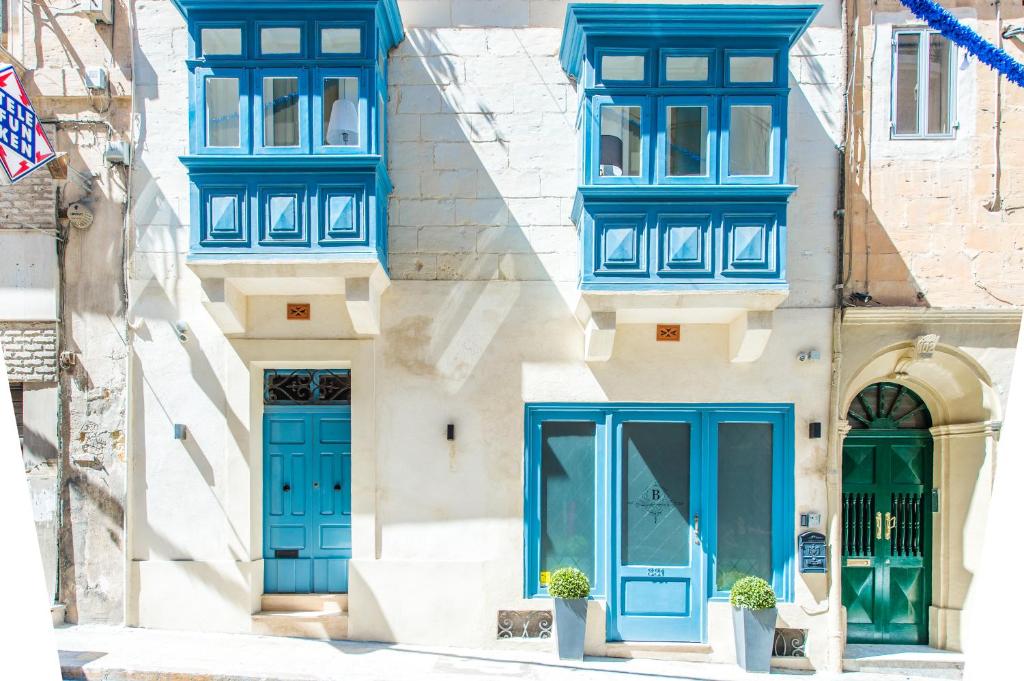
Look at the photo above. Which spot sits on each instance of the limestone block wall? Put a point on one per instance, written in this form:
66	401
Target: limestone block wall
935	223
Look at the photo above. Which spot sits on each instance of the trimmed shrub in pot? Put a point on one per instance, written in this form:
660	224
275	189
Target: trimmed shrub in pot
753	618
569	588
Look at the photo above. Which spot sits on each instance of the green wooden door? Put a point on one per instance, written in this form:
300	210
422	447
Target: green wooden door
887	528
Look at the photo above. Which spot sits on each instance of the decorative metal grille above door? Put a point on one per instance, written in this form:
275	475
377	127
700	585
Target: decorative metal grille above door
307	386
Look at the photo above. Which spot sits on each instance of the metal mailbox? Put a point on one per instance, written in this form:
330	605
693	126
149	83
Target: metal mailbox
813	555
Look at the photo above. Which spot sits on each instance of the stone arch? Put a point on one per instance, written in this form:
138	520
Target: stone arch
966	412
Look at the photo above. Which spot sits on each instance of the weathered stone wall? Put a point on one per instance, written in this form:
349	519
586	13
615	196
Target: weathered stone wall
57	44
935	223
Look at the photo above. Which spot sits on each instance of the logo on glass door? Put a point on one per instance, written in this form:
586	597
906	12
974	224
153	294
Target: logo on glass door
655	503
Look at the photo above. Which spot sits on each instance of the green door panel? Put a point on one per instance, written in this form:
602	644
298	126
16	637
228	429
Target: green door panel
887	565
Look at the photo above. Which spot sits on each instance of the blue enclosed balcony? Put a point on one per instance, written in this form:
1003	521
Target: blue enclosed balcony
287	151
682	200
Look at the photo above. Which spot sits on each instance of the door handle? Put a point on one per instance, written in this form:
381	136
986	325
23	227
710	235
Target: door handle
696	528
337	487
890	524
878	525
316	485
287	487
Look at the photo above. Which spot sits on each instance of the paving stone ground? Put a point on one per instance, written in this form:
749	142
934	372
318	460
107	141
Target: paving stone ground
123	654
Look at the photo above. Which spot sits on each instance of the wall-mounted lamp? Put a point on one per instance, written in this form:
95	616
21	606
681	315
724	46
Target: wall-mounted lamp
451	432
814	430
180	431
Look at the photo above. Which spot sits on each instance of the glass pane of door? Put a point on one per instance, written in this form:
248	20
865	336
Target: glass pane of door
744	502
567	477
656	493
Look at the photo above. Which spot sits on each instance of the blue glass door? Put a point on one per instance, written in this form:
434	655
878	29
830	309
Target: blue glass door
307	498
658	561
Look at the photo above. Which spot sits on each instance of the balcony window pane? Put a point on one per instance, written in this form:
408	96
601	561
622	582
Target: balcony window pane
621	152
622	67
341	112
220	41
750	140
906	99
687	140
281	111
567	482
744	502
751	69
686	68
222	112
341	41
281	40
939	76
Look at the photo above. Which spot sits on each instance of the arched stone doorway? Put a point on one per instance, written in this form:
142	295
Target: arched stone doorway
964	407
886	516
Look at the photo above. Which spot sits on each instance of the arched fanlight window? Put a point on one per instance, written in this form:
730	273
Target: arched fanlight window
888	406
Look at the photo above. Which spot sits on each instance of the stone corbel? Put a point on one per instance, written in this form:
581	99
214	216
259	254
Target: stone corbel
923	349
362	297
226	304
748	336
599	337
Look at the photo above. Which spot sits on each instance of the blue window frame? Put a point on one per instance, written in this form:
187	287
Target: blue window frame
317	51
571	456
752	140
621	152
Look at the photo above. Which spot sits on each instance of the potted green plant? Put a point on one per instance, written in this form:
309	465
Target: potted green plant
753	617
569	588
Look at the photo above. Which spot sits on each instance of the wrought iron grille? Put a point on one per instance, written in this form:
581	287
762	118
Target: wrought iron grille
307	386
790	643
908	534
858	516
524	624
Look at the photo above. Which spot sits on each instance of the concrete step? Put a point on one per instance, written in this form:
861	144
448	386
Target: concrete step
57	612
328	603
314	624
917	661
678	652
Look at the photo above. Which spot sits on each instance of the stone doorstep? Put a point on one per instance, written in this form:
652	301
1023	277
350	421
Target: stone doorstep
681	652
921	661
314	624
328	603
57	612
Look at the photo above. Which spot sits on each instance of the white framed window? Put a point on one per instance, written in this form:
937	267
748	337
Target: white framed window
923	84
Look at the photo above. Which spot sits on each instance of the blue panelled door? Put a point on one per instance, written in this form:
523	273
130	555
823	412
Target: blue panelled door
657	581
307	498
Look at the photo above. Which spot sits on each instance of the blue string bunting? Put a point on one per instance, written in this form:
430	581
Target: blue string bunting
987	53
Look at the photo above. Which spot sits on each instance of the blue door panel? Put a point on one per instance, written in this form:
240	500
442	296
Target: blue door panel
651	597
307	499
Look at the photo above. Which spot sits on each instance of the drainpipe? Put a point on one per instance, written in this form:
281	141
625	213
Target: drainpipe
837	431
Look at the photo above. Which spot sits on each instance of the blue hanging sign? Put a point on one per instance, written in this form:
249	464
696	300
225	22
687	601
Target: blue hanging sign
23	144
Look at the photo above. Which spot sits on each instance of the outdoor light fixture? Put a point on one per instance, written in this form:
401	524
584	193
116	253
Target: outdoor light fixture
451	431
814	430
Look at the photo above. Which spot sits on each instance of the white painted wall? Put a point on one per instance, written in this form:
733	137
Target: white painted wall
28	279
477	322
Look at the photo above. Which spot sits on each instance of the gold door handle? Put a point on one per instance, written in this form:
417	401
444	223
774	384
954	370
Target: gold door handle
890	525
878	525
696	528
